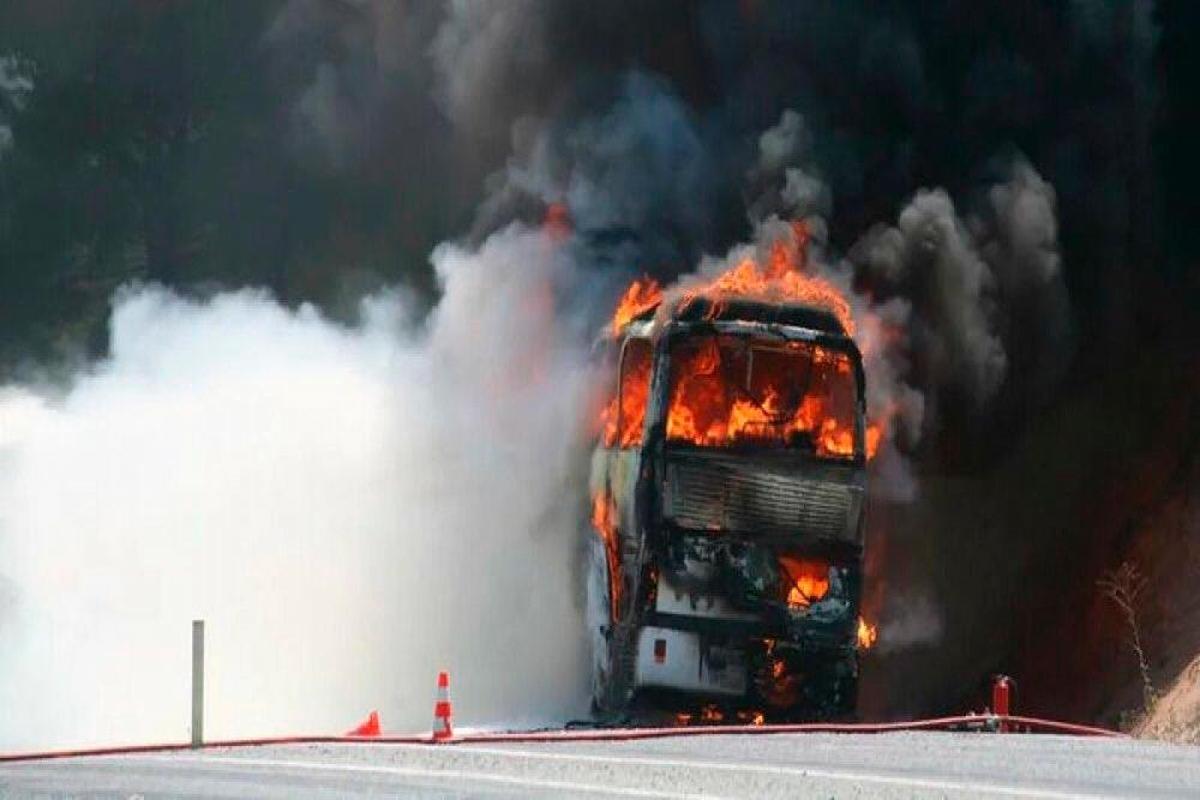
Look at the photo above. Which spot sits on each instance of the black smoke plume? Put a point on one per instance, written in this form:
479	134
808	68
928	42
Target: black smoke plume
1005	183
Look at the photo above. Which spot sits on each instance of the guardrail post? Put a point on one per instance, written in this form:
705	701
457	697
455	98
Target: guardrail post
197	683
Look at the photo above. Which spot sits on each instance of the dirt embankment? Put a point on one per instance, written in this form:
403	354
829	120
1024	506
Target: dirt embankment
1011	555
1147	518
1166	549
1175	716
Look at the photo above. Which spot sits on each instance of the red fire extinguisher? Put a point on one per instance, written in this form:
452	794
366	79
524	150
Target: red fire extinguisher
1002	687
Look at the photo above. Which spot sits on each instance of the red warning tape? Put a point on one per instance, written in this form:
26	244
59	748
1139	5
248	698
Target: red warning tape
973	722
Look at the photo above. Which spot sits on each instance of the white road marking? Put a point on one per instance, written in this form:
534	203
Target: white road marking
776	769
462	775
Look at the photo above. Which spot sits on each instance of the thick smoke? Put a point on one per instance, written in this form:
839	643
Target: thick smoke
350	509
931	293
909	620
634	174
396	489
931	296
365	73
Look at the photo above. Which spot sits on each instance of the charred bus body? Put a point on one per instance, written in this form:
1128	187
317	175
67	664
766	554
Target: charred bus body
728	491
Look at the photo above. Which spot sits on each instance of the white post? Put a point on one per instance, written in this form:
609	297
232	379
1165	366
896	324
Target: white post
197	682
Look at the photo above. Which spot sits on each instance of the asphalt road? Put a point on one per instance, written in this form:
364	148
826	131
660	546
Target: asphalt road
800	765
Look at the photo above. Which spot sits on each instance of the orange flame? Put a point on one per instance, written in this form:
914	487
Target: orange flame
808	581
784	278
874	437
705	410
702	412
751	717
604	521
628	408
712	715
781	282
642	294
867	634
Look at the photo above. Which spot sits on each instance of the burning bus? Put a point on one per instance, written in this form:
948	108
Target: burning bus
728	490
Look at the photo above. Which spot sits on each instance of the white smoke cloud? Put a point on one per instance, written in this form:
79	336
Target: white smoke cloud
349	508
910	619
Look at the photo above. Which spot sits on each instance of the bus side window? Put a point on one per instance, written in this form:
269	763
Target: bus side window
633	391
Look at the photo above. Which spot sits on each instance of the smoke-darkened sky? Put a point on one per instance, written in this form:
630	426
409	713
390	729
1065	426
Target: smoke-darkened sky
321	147
1009	184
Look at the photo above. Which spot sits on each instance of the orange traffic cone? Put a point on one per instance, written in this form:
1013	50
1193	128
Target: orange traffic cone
441	710
370	727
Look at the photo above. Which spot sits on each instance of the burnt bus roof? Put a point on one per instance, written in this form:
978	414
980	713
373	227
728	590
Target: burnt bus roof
801	316
819	325
700	308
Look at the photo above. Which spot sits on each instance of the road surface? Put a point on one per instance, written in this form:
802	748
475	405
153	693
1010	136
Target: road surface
784	765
